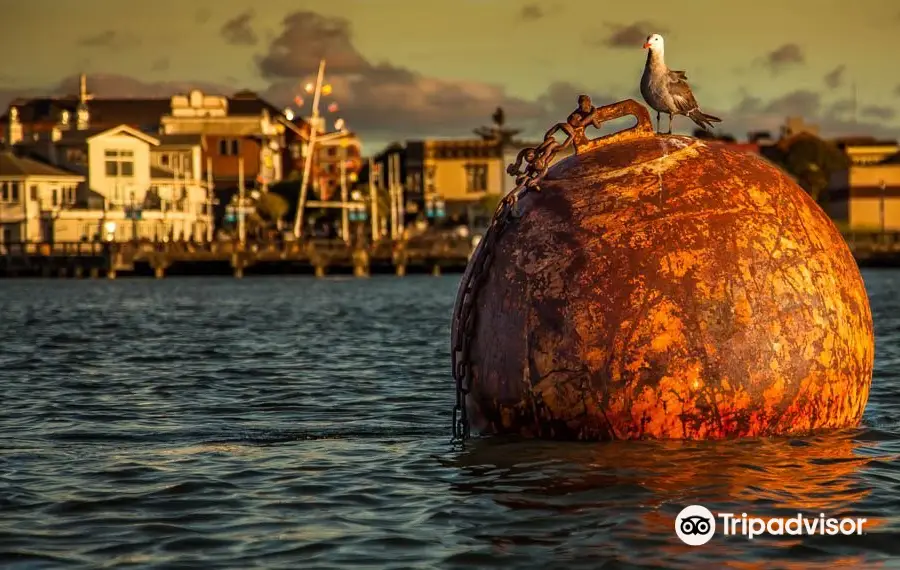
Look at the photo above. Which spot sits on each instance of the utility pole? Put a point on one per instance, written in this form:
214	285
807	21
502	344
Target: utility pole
392	192
345	213
170	224
401	199
209	200
134	222
310	149
373	197
242	229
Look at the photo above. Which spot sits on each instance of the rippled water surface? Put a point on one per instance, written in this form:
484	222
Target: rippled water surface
296	423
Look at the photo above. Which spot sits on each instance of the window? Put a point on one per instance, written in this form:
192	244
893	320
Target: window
55	200
229	147
34	192
476	178
9	191
75	156
164	160
332	151
120	163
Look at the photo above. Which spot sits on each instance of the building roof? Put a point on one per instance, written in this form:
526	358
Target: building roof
12	165
141	113
861	141
125	129
249	103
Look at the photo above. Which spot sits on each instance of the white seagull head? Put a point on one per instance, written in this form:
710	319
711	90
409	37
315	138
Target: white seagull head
654	42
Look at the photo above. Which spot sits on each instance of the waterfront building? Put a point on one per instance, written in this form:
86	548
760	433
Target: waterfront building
197	136
327	164
866	195
28	120
124	194
29	191
456	180
242	127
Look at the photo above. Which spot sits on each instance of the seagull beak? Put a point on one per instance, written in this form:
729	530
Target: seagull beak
646	45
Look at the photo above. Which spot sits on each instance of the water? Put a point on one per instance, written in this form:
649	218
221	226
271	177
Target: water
295	423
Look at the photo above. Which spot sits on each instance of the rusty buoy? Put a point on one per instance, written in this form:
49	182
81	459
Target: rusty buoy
655	286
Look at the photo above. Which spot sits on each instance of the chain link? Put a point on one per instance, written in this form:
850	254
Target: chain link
537	161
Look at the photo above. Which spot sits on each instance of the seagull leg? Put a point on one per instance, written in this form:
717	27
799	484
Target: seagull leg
670	124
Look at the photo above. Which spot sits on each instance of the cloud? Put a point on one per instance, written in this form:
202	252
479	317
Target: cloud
307	37
108	39
879	112
796	103
840	108
384	100
834	118
112	85
531	12
784	56
161	64
897	90
626	35
238	31
835	78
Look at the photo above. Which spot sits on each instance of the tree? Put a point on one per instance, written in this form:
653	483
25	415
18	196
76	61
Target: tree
812	161
272	207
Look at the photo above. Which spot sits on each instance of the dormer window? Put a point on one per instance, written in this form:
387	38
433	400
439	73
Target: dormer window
119	163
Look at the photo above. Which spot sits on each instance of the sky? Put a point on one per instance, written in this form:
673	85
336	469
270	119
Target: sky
404	69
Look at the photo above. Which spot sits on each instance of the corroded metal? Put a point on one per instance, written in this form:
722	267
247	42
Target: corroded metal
537	163
662	287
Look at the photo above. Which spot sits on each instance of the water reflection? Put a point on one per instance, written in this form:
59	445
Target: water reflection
618	501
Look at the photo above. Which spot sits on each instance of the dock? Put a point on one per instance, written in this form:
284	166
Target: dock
875	249
319	257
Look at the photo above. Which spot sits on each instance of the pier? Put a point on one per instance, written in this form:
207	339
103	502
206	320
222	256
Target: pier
875	249
319	257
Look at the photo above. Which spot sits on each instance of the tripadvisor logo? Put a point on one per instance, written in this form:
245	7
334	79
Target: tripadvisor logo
695	525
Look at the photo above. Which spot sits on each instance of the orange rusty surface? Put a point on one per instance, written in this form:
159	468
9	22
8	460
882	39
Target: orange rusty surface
659	287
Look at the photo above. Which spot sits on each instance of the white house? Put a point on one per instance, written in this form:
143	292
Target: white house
128	194
28	187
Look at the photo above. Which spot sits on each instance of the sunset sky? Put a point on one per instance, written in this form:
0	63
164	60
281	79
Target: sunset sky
410	69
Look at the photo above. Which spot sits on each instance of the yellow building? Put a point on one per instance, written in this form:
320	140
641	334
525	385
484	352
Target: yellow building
441	180
463	171
866	196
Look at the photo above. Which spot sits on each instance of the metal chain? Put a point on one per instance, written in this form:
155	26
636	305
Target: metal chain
537	162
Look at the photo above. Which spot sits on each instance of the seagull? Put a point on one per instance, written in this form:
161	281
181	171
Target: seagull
667	91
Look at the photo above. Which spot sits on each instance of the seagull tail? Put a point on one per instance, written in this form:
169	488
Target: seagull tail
704	120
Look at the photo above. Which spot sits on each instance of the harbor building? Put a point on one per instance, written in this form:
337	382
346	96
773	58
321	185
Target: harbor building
865	197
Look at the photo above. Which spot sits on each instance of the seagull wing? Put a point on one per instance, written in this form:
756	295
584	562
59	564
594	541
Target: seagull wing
681	92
